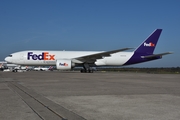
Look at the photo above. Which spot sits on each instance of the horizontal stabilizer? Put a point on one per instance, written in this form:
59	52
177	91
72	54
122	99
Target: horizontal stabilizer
156	55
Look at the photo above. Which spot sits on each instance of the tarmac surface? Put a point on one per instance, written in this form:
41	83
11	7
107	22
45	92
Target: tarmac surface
89	96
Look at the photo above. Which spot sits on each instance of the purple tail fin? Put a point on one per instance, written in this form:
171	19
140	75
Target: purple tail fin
150	43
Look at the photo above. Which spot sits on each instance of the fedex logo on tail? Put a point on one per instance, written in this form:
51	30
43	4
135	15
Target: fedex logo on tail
149	44
43	56
63	64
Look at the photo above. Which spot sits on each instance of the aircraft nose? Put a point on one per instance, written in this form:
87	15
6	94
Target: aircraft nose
7	59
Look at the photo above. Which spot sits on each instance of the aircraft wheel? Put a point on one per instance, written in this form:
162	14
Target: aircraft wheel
86	71
90	71
82	71
15	70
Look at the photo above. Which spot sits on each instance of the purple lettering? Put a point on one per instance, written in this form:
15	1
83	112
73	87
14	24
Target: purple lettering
29	55
34	57
43	56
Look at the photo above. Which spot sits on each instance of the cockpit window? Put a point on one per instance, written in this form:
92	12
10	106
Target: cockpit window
9	55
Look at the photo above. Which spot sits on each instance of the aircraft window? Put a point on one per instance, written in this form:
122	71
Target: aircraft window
9	55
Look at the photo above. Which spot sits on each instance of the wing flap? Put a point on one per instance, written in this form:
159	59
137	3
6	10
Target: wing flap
156	55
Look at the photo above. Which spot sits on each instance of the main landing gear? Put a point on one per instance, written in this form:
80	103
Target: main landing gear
87	69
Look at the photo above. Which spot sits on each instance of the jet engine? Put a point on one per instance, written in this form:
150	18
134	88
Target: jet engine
64	64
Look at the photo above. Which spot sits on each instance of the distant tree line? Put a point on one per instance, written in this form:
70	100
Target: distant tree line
171	70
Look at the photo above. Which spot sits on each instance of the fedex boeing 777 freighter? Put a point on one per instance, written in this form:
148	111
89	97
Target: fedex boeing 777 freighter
66	60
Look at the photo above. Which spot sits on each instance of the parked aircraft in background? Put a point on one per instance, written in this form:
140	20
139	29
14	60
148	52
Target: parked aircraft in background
8	67
66	60
43	68
4	66
20	68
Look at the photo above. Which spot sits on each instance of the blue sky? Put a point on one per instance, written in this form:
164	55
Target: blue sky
90	25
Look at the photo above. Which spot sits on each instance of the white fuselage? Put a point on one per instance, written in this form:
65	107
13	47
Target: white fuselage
65	60
47	58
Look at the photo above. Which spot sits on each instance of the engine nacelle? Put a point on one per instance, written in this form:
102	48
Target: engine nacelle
64	64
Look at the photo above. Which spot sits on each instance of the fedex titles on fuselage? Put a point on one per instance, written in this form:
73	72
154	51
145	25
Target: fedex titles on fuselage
43	56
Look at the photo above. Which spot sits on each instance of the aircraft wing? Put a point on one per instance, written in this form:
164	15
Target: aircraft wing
156	55
93	57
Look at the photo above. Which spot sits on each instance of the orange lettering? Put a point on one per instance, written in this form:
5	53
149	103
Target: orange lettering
45	55
51	57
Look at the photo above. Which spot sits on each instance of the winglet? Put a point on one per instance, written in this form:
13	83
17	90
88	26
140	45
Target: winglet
150	43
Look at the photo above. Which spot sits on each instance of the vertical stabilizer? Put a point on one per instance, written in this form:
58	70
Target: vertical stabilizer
150	43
